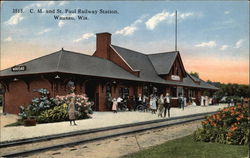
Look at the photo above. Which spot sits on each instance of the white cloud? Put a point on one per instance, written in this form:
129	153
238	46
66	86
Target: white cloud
138	21
239	43
226	12
61	23
84	37
40	5
15	19
128	30
44	31
224	47
8	39
152	22
156	19
209	44
184	15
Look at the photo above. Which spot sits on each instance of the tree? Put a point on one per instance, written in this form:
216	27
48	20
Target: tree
195	74
229	90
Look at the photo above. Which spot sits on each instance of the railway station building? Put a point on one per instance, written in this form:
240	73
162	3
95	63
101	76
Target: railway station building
111	70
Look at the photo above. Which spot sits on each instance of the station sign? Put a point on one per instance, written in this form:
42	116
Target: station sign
175	77
18	68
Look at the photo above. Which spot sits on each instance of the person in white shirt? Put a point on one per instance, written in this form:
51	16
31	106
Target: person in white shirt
119	99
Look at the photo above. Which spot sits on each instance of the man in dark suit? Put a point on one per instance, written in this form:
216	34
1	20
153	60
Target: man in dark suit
167	105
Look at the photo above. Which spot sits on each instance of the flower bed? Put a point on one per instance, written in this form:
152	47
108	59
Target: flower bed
228	126
46	109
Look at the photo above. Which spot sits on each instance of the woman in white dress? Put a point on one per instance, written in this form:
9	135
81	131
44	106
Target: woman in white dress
114	106
152	103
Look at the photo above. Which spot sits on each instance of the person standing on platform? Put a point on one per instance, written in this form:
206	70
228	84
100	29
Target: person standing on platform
167	105
160	105
147	99
109	101
129	103
179	101
119	102
185	101
72	111
139	100
114	105
182	102
133	100
152	103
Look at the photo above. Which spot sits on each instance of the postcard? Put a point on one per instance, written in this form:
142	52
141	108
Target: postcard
82	76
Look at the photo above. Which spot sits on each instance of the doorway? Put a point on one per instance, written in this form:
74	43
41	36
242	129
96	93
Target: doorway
90	90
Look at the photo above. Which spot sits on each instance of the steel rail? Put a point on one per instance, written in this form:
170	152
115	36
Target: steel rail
190	118
80	132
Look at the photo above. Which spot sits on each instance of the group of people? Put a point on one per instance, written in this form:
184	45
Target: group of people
154	103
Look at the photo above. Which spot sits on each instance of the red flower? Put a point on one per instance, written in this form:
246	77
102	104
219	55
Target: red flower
229	134
241	116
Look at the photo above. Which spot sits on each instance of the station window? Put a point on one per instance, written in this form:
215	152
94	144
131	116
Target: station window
179	91
145	90
123	92
109	90
173	91
192	93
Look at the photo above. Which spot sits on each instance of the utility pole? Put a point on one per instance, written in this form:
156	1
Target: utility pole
176	30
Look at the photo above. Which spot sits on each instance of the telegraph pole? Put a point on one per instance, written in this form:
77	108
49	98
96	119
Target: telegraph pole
176	30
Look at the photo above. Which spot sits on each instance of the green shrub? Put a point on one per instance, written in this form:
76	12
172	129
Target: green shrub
56	114
46	109
82	105
228	126
37	105
60	113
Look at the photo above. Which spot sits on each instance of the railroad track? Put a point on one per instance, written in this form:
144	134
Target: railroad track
31	146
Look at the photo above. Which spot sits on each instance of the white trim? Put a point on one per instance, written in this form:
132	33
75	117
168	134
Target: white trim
122	58
59	60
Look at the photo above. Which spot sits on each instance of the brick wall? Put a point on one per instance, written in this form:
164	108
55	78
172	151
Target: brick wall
176	66
103	41
101	90
104	50
19	94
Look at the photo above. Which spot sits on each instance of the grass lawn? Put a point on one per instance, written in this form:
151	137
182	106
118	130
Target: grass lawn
187	148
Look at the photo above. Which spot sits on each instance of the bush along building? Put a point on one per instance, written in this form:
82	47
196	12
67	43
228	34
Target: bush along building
111	70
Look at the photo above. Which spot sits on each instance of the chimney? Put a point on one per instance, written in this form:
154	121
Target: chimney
103	41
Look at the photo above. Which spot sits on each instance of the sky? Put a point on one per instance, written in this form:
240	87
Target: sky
213	37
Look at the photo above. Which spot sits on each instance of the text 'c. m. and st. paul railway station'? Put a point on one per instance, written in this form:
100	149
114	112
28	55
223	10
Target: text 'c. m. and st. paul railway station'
111	70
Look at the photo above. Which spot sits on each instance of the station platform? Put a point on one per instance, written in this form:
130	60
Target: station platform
98	120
